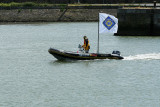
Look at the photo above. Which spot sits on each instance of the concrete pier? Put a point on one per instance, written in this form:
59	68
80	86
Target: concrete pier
138	22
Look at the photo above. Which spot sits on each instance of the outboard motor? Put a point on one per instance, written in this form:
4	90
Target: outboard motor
116	52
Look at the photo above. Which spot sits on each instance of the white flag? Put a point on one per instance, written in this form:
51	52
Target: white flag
107	23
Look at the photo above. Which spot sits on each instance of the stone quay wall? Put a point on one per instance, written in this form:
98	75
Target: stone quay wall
52	15
131	21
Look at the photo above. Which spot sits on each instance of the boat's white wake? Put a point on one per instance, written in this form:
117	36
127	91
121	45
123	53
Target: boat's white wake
152	56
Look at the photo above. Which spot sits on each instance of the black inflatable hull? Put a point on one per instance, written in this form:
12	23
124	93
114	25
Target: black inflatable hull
64	55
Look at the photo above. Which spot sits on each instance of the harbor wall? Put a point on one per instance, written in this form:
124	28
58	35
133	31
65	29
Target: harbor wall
143	22
131	21
52	15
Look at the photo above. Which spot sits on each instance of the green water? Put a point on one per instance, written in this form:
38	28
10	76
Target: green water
31	77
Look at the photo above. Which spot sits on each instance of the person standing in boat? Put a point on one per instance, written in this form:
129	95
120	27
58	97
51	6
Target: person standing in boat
86	45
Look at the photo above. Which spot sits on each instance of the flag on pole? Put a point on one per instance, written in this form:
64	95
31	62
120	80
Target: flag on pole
107	23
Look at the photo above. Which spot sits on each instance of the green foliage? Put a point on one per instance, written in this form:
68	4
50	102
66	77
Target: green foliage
30	4
13	4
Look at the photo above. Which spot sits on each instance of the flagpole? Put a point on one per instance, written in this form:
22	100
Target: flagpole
98	35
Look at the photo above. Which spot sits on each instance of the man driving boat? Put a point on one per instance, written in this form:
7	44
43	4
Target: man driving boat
86	45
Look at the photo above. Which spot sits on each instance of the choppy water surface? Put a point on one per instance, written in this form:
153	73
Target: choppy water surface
31	77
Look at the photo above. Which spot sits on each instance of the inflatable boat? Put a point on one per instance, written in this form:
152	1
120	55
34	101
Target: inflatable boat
68	55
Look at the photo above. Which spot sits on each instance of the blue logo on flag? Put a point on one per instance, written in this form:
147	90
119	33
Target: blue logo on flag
108	23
